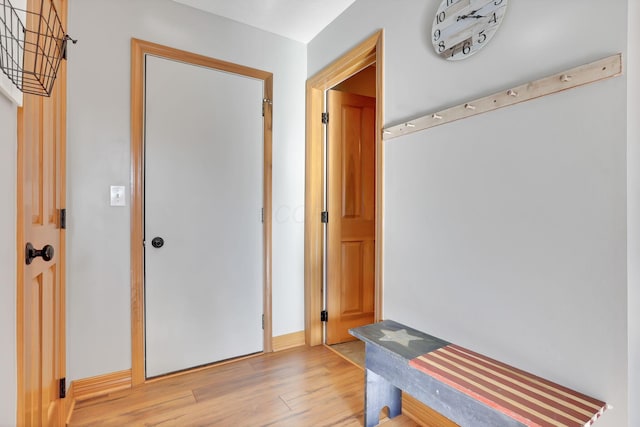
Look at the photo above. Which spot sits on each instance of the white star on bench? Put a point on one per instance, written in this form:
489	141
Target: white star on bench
401	337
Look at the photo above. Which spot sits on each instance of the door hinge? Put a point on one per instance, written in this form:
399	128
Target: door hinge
325	118
63	388
263	322
262	215
324	217
324	316
265	101
63	219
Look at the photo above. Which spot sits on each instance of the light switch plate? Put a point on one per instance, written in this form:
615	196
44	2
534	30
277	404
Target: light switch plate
117	195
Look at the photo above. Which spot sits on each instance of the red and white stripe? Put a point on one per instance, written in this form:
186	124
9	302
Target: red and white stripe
522	396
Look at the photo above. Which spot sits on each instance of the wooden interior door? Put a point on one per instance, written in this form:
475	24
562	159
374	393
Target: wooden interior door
351	206
40	287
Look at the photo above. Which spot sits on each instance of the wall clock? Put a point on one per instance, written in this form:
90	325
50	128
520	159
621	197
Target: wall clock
463	27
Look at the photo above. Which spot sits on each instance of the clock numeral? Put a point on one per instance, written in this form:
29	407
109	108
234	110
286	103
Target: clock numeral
497	2
463	47
450	2
482	36
436	35
441	17
494	19
466	47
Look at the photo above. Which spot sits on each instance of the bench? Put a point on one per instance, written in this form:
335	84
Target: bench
466	387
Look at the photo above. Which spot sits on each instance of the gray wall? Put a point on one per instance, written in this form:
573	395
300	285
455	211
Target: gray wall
633	194
98	338
8	146
506	232
98	283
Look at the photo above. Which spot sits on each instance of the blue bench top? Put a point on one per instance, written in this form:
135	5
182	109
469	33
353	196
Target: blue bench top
526	399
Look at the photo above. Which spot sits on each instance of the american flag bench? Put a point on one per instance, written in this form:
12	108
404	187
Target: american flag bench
466	387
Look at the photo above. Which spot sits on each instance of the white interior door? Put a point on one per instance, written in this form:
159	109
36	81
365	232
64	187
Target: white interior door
203	197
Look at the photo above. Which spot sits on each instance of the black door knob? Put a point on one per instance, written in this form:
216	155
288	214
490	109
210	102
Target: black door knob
31	253
157	242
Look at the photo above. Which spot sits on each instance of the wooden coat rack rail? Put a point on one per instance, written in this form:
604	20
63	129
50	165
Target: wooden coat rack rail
599	70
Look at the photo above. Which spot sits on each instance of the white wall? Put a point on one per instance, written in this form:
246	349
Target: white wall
98	284
633	194
506	232
8	146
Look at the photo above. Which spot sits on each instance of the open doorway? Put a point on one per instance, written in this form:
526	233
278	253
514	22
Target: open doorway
351	205
347	75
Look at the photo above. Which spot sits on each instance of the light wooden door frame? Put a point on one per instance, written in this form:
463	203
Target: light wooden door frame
41	121
139	49
365	54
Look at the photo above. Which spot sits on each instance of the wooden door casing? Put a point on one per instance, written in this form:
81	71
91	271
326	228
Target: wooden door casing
368	52
40	285
139	50
352	214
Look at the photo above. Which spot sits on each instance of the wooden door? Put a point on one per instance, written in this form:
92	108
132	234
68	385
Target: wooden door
351	207
40	288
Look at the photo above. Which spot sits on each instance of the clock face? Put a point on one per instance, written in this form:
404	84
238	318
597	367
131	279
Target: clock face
463	27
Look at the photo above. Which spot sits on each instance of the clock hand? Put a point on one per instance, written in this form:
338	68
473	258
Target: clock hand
471	14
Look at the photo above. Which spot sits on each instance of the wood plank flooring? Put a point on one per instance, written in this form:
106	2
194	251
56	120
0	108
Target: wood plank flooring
304	386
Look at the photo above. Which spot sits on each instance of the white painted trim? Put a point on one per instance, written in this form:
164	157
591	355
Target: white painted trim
7	88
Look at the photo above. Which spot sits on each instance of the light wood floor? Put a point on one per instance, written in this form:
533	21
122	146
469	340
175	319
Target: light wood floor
305	386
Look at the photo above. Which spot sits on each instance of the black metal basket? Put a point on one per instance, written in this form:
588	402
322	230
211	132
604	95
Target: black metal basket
32	45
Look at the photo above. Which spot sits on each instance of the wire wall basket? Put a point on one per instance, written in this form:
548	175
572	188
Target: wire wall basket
32	45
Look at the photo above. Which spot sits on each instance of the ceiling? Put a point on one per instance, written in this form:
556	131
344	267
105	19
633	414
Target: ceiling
299	20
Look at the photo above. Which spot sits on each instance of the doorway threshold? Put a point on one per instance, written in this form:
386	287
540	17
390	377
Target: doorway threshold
352	351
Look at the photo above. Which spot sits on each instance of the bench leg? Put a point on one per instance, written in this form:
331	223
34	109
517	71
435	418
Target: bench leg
378	394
